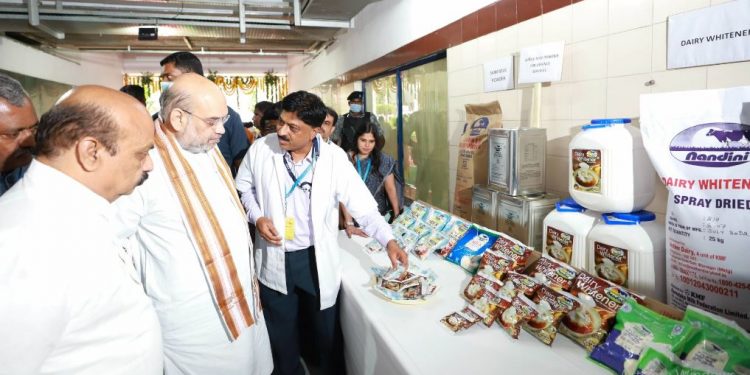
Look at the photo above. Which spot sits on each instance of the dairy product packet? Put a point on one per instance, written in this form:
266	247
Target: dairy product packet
655	360
494	264
429	244
455	229
553	272
719	344
374	246
421	228
599	300
469	249
437	219
489	305
405	219
398	285
635	327
551	306
514	250
419	210
520	310
478	283
699	144
523	284
460	320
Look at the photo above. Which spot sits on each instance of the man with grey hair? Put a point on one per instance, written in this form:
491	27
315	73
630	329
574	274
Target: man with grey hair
18	123
193	241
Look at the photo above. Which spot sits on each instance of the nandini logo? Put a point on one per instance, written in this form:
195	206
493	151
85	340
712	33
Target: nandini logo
716	144
477	126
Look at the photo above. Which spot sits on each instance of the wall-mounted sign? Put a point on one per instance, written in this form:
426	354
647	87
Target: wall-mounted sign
498	74
714	35
542	63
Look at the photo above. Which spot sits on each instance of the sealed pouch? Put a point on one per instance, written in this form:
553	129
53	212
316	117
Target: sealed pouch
551	307
637	326
408	240
655	360
514	250
553	272
494	264
523	284
455	230
428	244
405	219
490	305
520	310
421	228
437	219
458	321
719	343
374	246
419	210
599	301
478	283
469	249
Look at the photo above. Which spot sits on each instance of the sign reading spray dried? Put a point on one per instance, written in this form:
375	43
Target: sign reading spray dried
699	143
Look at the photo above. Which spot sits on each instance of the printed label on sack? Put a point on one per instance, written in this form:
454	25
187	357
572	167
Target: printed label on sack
587	170
699	143
611	263
559	244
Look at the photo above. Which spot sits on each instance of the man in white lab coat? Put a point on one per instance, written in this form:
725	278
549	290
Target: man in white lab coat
193	241
291	184
71	301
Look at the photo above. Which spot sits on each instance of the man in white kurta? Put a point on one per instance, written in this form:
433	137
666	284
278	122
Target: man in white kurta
196	340
71	301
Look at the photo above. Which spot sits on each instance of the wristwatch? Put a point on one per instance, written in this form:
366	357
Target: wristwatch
349	223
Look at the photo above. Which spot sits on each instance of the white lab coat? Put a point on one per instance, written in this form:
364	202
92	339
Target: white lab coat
334	180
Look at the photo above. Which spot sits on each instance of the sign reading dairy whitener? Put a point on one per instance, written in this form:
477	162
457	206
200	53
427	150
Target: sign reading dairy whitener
699	143
712	35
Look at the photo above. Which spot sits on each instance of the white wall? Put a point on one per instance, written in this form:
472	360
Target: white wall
380	28
224	64
612	48
89	68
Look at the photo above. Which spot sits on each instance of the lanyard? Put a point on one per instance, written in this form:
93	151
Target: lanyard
367	170
298	180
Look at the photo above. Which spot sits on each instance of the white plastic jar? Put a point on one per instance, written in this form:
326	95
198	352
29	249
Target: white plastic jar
628	249
565	231
609	170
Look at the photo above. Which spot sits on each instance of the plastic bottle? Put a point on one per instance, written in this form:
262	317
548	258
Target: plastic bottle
565	231
609	168
628	249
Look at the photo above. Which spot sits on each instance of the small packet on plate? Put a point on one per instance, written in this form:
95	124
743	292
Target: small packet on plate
514	250
636	327
478	283
553	272
720	344
520	310
523	284
494	264
455	230
437	219
551	306
401	286
428	244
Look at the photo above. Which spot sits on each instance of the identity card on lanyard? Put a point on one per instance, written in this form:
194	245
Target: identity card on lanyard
367	170
289	222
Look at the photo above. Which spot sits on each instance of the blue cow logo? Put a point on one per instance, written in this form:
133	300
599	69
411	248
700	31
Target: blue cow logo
716	144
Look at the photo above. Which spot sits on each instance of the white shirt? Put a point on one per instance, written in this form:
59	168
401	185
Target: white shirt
71	303
262	180
195	341
298	203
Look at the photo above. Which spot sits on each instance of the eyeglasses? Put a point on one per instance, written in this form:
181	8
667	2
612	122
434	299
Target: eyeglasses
13	136
212	122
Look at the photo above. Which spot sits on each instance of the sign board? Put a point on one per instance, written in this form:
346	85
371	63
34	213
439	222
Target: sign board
542	63
498	74
713	35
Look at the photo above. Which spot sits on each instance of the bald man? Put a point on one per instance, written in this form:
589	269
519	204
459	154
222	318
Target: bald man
71	301
193	241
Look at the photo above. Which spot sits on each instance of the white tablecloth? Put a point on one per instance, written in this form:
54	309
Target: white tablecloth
386	338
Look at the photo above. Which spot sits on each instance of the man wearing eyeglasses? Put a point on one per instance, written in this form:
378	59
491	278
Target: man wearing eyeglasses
17	126
193	241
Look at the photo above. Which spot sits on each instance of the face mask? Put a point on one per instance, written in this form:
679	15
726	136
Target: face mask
355	107
165	85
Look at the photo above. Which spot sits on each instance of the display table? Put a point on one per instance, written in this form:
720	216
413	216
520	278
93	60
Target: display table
386	338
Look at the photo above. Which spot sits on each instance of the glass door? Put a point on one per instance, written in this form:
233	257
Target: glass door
381	100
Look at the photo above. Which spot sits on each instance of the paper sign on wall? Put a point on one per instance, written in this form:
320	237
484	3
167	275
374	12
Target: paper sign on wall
542	63
714	35
498	74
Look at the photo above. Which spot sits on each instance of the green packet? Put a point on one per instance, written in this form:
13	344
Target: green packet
719	343
637	326
655	360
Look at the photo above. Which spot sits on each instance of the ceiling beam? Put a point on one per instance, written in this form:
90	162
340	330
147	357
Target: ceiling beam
33	8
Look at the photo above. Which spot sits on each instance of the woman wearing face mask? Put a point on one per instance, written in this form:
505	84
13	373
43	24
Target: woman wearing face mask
376	169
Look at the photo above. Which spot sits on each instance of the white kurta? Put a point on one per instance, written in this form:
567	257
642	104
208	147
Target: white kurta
195	341
71	299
